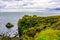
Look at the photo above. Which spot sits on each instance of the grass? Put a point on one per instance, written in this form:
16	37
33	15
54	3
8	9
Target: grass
48	34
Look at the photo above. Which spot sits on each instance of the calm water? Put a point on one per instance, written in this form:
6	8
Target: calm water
13	17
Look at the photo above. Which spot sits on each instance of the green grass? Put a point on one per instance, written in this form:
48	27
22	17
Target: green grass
48	34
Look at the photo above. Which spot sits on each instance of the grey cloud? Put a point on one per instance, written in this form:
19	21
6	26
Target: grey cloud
18	0
11	0
25	4
6	0
53	9
2	6
56	9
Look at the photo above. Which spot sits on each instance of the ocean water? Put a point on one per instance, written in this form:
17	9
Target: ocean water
13	18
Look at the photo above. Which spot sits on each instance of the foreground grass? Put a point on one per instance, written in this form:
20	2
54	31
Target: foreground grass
48	34
8	38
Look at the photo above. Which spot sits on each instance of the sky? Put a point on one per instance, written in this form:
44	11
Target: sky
29	5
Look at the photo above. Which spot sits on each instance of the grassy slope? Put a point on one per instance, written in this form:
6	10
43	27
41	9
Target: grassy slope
48	34
38	32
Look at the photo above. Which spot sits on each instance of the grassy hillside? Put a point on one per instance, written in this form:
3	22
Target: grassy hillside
48	34
29	26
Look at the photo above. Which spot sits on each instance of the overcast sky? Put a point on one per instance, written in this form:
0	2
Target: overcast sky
29	5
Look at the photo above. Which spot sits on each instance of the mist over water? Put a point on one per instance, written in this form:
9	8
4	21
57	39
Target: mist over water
13	18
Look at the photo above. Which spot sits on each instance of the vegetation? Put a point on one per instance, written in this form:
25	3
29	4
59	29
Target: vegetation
9	38
48	34
37	28
29	26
